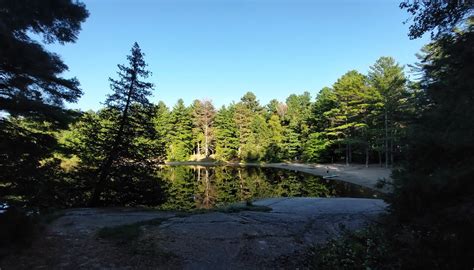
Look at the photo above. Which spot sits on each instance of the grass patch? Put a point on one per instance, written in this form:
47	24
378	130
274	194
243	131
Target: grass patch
127	232
247	206
232	208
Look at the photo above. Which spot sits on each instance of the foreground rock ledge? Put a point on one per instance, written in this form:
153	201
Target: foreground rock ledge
201	241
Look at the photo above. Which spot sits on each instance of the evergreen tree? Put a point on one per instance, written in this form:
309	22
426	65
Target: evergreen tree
130	112
326	100
227	140
437	177
275	147
249	100
257	144
319	146
296	119
30	81
291	144
33	91
243	118
353	97
161	121
388	80
181	134
437	17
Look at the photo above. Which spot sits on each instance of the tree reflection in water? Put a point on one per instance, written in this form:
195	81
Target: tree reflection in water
199	187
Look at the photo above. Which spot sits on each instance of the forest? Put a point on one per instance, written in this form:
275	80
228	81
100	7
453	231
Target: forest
361	118
52	157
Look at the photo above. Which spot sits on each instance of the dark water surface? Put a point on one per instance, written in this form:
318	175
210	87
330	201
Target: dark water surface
196	187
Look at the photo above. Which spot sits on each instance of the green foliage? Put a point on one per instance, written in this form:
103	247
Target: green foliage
325	102
274	150
438	17
254	149
35	88
180	136
227	143
249	101
248	206
32	92
390	247
161	121
187	188
118	142
365	249
316	148
435	184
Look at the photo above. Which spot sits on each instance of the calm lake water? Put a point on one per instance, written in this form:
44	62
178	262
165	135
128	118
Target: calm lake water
195	187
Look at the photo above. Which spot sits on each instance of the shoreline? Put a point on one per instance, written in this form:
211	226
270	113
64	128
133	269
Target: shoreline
354	174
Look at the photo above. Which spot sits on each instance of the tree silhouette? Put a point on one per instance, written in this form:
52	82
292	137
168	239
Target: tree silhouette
129	111
30	82
32	89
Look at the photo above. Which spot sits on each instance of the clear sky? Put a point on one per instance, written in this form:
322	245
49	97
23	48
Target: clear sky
220	49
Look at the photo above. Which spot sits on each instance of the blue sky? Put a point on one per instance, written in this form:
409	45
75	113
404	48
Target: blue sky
221	49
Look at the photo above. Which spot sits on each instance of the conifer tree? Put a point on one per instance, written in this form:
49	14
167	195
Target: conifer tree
130	111
348	118
181	135
227	140
30	77
388	80
161	121
275	147
33	89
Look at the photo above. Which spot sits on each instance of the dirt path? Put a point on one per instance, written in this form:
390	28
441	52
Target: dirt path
215	240
355	174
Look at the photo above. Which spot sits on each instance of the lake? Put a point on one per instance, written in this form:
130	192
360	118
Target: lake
199	187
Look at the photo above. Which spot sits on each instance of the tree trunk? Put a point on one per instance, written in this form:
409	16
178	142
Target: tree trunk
100	185
206	141
105	169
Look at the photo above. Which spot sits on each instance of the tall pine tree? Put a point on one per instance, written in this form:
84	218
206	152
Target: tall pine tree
130	111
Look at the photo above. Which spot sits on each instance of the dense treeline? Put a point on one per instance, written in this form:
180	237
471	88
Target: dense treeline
54	156
360	119
110	156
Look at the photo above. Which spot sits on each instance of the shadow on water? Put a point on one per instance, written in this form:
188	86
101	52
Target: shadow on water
198	187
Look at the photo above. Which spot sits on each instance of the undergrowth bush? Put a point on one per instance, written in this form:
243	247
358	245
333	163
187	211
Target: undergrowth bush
394	246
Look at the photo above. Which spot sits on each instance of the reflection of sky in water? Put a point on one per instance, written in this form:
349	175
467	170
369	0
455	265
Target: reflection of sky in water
3	207
191	187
